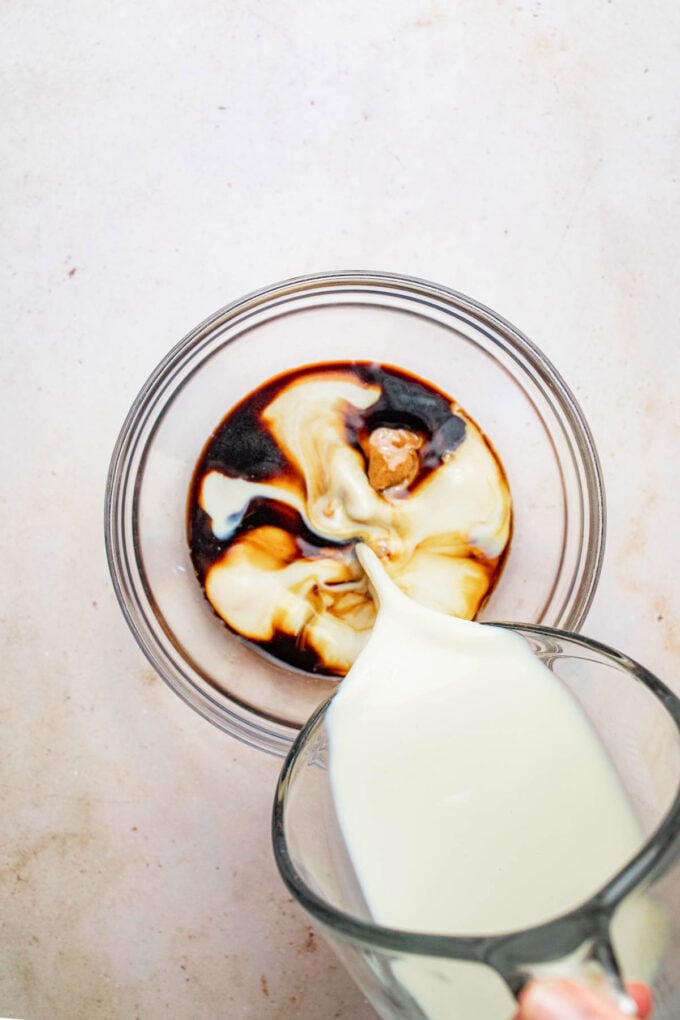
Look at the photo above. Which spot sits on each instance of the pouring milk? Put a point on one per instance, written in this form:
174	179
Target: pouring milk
473	795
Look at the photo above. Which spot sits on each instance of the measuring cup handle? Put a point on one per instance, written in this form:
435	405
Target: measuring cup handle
623	1004
596	968
593	965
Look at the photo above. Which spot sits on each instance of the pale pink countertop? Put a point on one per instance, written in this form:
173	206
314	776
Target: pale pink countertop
161	160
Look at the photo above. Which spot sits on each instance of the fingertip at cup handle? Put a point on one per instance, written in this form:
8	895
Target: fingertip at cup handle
642	997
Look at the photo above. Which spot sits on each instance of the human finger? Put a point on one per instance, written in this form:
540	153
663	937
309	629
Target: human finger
565	1000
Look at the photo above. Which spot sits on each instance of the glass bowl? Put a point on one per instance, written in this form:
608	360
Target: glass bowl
497	375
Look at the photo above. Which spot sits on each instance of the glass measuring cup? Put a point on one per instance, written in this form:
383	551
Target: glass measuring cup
628	930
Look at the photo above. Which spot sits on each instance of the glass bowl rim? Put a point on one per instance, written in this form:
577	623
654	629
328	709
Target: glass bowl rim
547	939
219	708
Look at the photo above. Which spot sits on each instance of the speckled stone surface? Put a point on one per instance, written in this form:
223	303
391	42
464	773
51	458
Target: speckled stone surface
161	160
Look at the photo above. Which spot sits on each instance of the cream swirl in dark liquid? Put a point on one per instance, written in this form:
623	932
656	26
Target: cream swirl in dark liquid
292	479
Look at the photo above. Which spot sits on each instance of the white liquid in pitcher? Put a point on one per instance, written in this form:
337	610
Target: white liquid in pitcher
472	793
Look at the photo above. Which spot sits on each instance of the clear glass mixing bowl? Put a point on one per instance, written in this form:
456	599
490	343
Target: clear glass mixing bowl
498	376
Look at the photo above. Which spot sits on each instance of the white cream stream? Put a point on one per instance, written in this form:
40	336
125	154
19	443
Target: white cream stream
473	794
